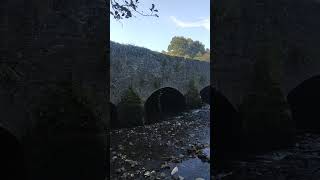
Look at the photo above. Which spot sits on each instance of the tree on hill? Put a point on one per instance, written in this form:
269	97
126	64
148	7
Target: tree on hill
179	46
195	48
203	57
186	47
125	9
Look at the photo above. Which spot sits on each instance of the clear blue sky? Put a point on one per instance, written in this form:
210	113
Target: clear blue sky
188	18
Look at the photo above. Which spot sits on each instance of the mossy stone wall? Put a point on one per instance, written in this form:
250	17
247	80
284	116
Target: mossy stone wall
130	110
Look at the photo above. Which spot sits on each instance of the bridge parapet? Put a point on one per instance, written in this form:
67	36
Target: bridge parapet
147	71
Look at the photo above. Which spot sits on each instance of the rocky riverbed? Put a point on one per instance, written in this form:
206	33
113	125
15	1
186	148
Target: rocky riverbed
301	161
178	148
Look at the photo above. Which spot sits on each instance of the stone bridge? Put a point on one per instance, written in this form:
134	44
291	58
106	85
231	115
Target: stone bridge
266	66
149	73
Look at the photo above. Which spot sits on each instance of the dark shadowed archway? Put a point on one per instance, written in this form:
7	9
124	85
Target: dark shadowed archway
226	127
162	103
304	103
11	156
205	94
113	115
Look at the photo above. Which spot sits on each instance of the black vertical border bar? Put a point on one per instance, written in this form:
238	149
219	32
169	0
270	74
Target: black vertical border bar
212	46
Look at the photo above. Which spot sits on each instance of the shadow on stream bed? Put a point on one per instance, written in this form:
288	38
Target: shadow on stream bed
296	162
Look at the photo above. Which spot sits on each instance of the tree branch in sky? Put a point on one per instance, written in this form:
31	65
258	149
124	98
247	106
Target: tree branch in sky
125	8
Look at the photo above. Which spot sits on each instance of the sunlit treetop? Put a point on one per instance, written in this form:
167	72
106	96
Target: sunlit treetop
126	8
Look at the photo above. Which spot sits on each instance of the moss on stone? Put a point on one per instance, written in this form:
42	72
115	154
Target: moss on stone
202	79
130	97
177	67
60	111
163	63
130	110
193	99
156	83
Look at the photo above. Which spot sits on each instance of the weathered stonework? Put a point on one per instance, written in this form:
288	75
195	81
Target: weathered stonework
147	71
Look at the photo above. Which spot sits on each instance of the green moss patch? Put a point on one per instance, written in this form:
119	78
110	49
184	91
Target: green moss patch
193	99
130	110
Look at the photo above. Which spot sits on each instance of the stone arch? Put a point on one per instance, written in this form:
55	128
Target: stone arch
303	100
205	94
162	103
12	156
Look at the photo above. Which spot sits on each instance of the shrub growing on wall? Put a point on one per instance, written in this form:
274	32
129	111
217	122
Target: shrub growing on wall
130	110
193	98
62	111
